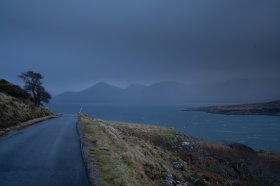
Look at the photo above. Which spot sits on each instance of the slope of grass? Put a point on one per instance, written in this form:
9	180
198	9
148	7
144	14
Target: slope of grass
17	107
130	154
124	158
14	111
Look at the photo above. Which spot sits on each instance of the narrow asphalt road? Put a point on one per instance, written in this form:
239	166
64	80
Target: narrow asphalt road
45	154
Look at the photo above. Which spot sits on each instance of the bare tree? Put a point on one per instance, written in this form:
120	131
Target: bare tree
33	85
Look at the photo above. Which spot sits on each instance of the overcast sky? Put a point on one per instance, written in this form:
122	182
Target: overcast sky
76	43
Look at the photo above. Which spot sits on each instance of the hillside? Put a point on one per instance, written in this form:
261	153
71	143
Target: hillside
163	93
268	108
174	93
16	106
130	154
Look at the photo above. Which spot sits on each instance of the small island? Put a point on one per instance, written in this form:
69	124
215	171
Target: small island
269	108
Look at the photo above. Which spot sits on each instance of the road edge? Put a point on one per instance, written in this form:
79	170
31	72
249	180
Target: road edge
93	172
26	124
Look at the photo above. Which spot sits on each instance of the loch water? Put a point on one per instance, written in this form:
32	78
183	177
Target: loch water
258	132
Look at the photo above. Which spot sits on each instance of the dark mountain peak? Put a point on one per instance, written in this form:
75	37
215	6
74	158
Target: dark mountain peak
172	86
136	86
136	94
171	93
169	84
102	86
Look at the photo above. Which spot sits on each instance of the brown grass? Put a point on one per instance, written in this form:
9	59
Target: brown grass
14	111
130	154
126	153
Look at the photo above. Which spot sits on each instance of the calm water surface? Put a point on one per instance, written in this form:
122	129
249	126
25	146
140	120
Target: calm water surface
259	132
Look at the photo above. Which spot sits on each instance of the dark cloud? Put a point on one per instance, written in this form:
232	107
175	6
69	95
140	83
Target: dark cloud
77	43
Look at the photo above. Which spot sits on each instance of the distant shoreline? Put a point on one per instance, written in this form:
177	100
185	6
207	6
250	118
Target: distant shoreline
268	109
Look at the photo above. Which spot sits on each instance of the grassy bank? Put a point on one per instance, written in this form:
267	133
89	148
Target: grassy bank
129	154
17	108
14	112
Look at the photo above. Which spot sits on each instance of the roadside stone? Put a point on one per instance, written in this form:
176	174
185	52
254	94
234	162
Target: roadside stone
181	184
185	143
170	182
178	165
168	175
169	178
191	178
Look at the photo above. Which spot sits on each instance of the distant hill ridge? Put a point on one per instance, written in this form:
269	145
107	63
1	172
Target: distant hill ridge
172	93
162	93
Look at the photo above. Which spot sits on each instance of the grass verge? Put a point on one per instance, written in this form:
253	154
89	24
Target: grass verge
131	154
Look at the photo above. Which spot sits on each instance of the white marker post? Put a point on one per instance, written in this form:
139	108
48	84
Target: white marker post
81	110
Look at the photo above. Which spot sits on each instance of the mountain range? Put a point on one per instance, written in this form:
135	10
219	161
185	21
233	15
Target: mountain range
163	93
173	93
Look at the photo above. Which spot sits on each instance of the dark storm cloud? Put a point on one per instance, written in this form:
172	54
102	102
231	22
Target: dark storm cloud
77	43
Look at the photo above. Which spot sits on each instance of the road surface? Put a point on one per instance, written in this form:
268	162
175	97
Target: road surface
47	153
